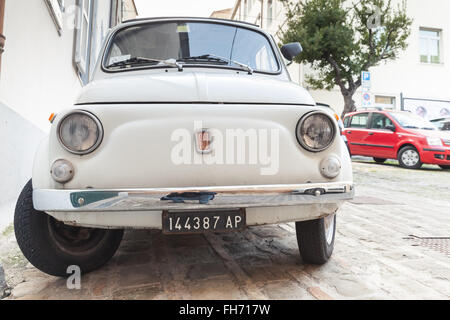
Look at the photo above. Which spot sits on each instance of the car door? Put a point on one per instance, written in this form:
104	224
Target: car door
357	132
381	139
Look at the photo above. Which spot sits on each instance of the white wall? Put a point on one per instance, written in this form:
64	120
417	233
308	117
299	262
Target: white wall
37	76
18	142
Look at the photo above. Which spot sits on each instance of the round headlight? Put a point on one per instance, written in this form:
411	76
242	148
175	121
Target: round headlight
316	131
80	132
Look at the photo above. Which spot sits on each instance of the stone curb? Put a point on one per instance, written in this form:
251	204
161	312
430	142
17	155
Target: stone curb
4	289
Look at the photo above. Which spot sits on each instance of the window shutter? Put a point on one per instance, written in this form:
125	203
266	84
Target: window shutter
56	9
83	35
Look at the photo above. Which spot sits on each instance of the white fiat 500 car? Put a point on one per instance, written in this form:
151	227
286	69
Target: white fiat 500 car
187	126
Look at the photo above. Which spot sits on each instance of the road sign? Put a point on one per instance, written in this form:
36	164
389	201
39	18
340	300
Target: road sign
366	79
366	99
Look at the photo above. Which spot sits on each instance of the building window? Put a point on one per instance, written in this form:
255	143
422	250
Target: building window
56	8
82	51
269	12
385	101
430	46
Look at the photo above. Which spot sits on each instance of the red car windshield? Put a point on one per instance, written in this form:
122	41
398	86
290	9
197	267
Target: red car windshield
411	121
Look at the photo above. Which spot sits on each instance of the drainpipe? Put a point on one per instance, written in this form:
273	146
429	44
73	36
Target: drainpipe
262	14
2	37
235	9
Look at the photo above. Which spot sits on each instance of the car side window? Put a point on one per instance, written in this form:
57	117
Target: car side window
347	122
359	120
380	121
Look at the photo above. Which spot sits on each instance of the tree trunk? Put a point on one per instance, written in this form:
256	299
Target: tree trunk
349	104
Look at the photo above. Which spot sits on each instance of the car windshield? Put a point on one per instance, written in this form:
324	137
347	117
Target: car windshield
412	121
191	43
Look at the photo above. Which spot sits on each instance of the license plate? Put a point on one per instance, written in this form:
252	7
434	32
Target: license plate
203	221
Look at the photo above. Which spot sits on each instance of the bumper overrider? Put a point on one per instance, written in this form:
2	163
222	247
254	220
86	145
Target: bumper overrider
191	198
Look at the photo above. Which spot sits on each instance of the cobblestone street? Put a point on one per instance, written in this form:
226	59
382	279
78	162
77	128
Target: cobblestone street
392	242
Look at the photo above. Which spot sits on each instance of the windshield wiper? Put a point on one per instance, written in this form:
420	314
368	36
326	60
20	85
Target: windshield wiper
205	58
213	57
410	127
140	60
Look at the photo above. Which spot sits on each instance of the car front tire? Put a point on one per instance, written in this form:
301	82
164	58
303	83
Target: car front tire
409	158
52	247
315	239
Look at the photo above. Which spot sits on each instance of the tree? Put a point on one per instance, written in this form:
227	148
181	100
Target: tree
342	38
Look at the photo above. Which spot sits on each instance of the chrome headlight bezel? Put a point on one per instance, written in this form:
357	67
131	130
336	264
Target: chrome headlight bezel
302	122
99	129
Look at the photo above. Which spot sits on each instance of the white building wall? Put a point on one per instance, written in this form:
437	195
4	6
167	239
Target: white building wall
405	75
37	76
18	142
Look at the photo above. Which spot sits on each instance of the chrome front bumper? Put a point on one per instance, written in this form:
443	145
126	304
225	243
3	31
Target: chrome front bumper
194	198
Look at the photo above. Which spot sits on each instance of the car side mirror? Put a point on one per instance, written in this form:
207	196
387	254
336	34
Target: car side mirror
291	50
390	127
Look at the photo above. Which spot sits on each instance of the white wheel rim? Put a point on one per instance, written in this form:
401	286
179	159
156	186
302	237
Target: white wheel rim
328	223
410	158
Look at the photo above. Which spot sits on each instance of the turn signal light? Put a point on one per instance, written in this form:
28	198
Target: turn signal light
52	117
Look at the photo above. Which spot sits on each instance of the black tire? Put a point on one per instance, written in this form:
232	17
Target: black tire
409	164
52	246
379	160
444	167
312	240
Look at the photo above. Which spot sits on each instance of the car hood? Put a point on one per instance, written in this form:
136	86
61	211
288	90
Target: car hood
192	87
432	133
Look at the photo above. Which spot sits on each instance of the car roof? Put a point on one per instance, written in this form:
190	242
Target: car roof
228	21
367	111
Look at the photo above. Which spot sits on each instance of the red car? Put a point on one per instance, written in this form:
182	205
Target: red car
396	135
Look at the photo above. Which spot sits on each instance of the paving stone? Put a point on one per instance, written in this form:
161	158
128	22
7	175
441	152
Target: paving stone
29	288
151	292
265	273
285	290
269	232
100	287
319	294
193	255
131	246
179	241
226	289
206	271
138	275
133	259
373	257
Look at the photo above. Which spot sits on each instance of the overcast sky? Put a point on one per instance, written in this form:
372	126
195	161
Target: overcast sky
188	8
